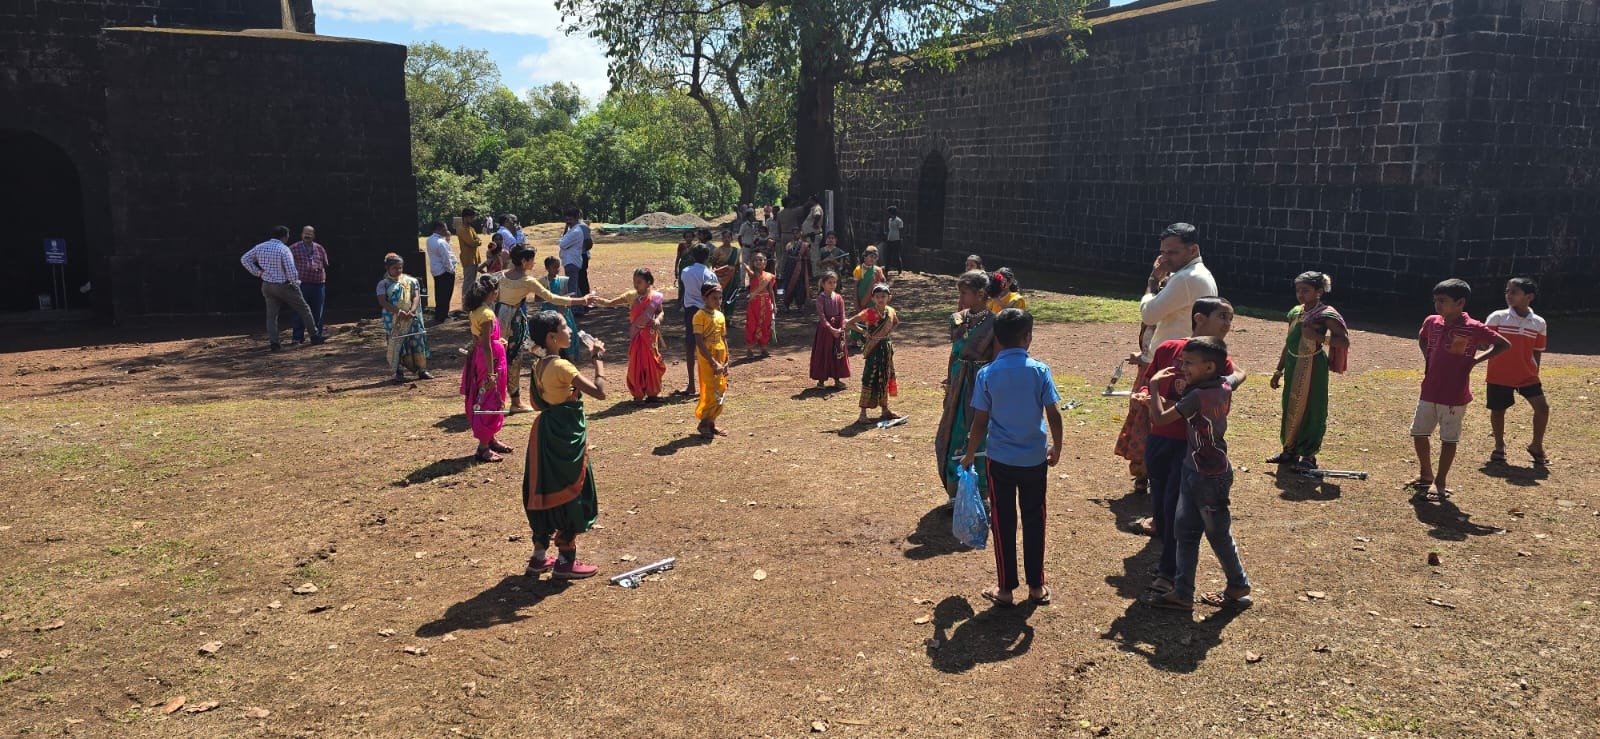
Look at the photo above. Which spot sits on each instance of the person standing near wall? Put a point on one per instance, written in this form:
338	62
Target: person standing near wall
311	262
442	263
471	247
811	232
272	261
1168	306
891	241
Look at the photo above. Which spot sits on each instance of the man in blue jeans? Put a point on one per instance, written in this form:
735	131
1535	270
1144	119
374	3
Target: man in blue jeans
1207	478
311	261
1012	399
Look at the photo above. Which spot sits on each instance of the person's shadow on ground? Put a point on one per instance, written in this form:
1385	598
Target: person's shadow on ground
503	603
995	635
1519	476
1296	488
1137	567
1168	640
453	424
1448	522
625	407
934	536
441	468
683	442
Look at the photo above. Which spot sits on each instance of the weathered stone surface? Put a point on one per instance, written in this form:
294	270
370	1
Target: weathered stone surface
1391	143
192	137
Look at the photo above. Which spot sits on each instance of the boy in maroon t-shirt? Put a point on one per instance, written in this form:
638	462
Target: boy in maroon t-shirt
1450	342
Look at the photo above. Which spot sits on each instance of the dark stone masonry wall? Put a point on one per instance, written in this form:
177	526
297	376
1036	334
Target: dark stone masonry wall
190	136
241	132
1391	143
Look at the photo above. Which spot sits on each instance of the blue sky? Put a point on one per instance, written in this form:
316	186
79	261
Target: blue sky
522	36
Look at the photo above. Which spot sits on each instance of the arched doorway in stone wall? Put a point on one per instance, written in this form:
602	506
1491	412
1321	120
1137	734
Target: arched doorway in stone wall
927	234
41	197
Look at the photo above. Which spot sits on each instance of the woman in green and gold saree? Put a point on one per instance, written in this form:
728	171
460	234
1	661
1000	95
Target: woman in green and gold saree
1318	342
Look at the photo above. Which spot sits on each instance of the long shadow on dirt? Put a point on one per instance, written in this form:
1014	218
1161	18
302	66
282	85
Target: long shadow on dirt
453	424
1448	522
1169	641
1298	488
934	537
683	442
1136	567
441	468
500	604
995	635
1519	476
629	405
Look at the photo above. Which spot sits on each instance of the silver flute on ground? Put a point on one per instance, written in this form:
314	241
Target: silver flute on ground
632	578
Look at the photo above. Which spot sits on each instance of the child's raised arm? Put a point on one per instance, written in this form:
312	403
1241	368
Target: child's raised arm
1160	412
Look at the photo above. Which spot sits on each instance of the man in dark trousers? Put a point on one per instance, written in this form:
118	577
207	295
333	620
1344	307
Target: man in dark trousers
272	261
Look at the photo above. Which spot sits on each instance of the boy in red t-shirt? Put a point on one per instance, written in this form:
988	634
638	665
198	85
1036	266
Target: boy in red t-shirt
1450	342
1517	371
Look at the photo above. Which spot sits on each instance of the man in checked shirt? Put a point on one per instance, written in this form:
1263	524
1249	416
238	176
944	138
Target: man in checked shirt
272	261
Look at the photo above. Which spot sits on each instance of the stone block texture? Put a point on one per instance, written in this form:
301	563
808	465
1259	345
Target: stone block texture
195	126
1390	143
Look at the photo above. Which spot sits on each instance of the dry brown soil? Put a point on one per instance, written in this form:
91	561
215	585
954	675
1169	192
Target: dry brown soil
163	495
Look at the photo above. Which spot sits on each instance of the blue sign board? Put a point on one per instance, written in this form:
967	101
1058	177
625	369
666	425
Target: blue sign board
55	251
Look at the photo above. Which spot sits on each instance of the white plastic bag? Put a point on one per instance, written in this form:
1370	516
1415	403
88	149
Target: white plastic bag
970	522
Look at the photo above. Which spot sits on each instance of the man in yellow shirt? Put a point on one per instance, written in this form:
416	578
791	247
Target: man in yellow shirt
470	245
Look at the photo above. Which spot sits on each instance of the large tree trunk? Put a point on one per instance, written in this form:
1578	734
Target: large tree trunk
816	161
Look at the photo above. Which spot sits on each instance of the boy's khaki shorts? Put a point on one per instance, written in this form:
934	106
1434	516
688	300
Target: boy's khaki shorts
1446	418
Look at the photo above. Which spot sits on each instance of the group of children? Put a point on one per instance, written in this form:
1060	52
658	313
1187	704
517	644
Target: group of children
1001	404
1185	392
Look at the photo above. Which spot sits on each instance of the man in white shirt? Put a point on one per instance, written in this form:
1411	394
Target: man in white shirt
1170	307
694	276
443	264
811	232
891	241
575	241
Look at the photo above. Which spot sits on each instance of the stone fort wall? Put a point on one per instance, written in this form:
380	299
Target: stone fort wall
1391	143
192	135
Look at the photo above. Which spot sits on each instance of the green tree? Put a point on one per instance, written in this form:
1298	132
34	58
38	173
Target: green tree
734	61
832	43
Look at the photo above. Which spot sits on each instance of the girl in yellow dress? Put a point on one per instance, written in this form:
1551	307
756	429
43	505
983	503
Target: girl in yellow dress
1005	292
711	357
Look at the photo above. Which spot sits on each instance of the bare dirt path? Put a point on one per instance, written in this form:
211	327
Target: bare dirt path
163	496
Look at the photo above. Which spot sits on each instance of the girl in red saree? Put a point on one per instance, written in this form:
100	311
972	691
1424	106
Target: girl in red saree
645	365
483	377
758	313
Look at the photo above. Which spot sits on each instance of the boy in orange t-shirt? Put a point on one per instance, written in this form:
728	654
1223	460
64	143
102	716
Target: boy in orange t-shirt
1516	372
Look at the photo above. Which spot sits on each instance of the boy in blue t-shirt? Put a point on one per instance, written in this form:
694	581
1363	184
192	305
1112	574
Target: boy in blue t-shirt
1011	400
1207	477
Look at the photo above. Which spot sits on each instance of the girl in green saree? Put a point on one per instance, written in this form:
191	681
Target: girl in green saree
1303	370
971	347
558	482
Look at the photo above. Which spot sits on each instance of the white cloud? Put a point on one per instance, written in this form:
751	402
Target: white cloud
578	60
528	17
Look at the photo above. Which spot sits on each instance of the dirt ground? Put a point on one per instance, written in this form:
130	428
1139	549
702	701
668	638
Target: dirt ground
163	500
